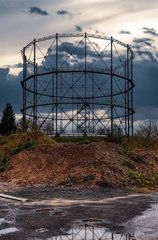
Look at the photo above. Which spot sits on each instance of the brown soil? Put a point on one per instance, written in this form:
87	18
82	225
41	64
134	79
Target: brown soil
82	165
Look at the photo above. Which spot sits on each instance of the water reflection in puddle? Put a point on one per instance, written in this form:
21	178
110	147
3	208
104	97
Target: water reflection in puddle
145	226
91	232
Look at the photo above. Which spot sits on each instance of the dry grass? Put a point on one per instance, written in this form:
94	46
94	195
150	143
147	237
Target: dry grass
139	142
14	143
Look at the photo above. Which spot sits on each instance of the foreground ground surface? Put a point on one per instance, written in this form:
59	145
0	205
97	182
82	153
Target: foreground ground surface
78	214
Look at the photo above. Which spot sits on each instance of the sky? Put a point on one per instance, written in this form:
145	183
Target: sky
131	21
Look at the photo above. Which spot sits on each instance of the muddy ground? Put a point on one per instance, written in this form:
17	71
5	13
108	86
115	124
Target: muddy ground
50	212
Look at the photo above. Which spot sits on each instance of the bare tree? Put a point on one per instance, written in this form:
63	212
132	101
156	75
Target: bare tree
148	130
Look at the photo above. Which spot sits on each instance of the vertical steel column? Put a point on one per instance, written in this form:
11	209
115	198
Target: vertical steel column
128	97
93	117
125	79
111	90
56	100
24	90
60	110
72	103
34	88
36	79
132	92
85	130
53	104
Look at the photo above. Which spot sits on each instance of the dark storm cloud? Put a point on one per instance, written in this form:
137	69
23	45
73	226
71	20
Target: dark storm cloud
145	92
145	71
78	28
10	89
144	113
78	50
150	31
17	65
143	41
145	49
64	13
124	32
3	74
38	11
149	55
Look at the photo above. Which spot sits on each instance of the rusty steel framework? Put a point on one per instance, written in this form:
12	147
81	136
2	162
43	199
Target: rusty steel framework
78	84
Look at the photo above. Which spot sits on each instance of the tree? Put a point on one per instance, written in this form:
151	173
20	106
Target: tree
8	123
148	130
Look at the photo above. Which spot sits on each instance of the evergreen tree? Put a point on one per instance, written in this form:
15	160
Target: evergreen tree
8	123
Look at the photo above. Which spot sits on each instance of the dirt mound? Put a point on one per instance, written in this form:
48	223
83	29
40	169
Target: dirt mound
72	164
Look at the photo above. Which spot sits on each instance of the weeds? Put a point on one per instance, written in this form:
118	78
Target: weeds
3	163
15	143
142	179
128	163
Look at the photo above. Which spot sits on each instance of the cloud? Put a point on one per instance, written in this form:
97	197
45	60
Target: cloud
146	113
150	31
145	49
124	32
38	11
78	28
10	89
3	73
145	92
148	55
64	13
17	65
143	41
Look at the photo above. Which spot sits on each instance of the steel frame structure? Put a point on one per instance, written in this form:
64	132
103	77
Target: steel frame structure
78	84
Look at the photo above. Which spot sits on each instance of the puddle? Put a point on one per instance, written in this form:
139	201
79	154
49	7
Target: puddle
146	225
8	230
88	232
11	216
48	216
1	220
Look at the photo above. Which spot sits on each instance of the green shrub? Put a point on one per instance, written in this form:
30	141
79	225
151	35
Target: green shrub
3	163
143	180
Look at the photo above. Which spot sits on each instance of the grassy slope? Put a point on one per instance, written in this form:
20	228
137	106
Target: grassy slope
34	158
14	143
